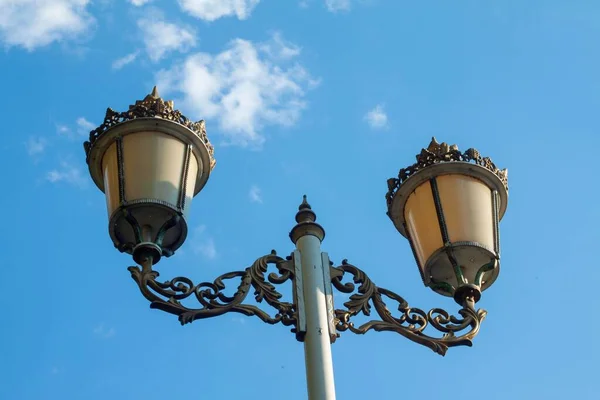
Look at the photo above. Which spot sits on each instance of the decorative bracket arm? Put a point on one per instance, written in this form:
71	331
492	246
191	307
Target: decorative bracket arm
411	322
167	296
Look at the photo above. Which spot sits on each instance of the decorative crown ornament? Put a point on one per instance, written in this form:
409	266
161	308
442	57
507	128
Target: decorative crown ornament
437	153
153	106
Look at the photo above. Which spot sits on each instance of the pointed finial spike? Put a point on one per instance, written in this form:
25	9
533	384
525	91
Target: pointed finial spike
304	205
155	93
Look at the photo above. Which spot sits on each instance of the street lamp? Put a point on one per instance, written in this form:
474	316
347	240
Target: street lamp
150	161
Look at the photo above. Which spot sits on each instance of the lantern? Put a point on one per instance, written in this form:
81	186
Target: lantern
150	161
448	205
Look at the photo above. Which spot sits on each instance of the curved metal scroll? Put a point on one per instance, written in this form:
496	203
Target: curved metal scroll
167	296
412	321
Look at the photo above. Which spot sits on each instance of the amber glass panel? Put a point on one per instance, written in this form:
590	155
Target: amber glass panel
422	222
111	178
153	164
467	206
190	184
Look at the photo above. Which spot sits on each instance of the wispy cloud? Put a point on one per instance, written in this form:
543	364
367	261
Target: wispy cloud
36	23
244	88
125	60
139	3
377	118
255	194
203	244
161	37
36	146
81	129
84	126
211	10
280	49
67	173
62	130
337	5
103	332
207	248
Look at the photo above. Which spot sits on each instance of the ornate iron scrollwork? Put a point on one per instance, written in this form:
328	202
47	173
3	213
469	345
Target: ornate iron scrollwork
167	296
411	322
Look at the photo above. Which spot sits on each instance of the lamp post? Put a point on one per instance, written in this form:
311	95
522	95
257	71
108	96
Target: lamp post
150	161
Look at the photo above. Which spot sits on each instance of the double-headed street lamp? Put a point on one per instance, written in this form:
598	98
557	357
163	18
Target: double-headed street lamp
151	161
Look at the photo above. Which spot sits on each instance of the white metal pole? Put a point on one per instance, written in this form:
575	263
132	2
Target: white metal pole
317	344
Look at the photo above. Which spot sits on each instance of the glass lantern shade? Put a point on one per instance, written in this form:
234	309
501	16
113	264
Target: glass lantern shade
450	211
149	168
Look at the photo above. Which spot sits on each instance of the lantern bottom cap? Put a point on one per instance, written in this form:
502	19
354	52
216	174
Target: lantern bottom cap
148	225
145	251
459	264
468	291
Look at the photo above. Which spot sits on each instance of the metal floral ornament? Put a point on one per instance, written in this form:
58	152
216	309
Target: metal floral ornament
442	152
152	106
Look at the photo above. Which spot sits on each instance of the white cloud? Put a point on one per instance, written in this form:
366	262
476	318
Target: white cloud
125	60
62	129
36	146
337	5
82	129
377	118
244	88
333	6
103	332
207	248
280	49
84	126
161	37
255	194
210	10
139	3
203	244
37	23
67	173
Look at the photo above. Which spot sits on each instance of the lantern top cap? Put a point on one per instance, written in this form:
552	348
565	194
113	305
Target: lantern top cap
152	106
438	153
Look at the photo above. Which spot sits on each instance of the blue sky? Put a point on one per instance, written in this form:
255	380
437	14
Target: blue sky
334	97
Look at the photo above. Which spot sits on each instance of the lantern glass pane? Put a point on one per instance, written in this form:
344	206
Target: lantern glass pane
422	222
153	164
190	184
467	207
110	171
